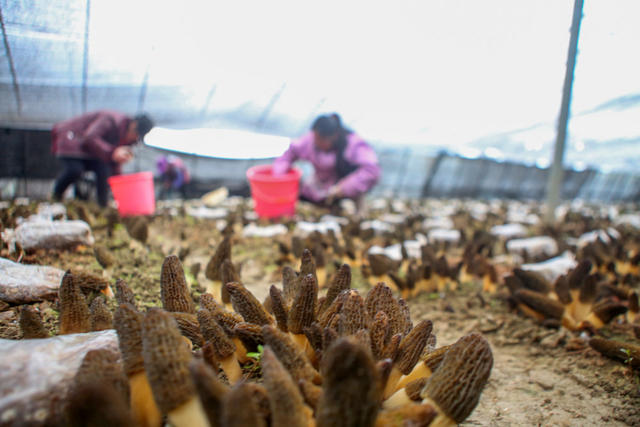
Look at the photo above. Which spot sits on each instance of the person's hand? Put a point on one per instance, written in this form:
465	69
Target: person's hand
334	193
122	155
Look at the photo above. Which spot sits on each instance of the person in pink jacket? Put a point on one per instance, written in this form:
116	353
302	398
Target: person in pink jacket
345	165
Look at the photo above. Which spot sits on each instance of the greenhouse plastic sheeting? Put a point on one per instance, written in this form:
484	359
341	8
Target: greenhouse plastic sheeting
267	68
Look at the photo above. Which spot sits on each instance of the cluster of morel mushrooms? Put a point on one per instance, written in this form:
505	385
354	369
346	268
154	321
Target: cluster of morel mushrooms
340	359
343	359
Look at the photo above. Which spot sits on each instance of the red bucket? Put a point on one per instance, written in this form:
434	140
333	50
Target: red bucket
134	193
274	196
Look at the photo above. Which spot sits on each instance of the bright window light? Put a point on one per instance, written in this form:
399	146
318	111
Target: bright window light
220	143
543	162
494	153
469	152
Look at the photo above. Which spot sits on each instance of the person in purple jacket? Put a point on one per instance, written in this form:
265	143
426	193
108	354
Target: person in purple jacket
345	165
174	176
99	142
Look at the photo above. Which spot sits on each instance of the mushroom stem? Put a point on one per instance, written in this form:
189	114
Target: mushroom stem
187	342
231	368
411	414
397	400
581	310
566	318
464	276
622	267
353	263
488	285
189	414
425	285
321	274
593	320
392	381
143	406
108	292
575	295
302	342
568	321
241	350
530	312
421	370
444	283
441	420
215	288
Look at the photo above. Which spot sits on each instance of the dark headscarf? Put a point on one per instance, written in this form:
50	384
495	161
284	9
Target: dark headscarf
330	125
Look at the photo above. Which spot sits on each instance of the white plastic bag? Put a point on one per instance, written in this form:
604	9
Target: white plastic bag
554	267
534	246
44	234
24	284
52	211
304	228
413	248
252	230
207	212
509	231
444	235
36	374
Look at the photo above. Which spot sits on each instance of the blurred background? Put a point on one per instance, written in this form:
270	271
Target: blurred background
459	98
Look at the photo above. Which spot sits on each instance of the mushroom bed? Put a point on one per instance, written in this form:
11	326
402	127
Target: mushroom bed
416	313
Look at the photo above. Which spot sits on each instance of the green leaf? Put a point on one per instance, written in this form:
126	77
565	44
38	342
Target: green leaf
256	354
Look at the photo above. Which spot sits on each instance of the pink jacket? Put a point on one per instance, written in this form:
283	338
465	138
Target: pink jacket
357	152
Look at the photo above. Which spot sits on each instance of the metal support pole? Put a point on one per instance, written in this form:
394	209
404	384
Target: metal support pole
433	171
265	113
143	90
554	182
85	57
402	172
12	67
207	101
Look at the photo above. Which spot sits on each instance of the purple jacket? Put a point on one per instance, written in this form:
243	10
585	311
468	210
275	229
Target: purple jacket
90	136
173	170
357	152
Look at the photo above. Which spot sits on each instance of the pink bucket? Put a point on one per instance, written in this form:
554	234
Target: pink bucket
134	193
274	196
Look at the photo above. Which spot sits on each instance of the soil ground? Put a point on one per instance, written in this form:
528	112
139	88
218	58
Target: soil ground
541	376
